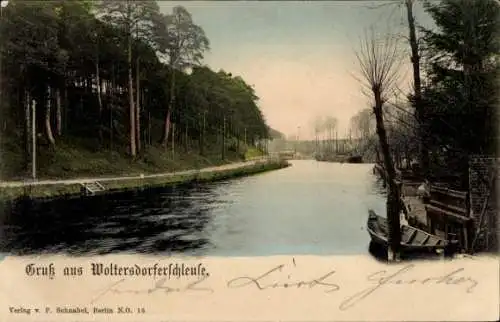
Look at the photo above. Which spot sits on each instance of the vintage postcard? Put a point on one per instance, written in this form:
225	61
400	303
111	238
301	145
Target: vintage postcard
249	160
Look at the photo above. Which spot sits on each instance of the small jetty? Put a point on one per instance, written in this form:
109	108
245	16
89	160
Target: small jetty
448	212
91	188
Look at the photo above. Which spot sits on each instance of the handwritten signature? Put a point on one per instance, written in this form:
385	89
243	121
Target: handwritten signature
383	278
159	285
380	279
274	279
267	281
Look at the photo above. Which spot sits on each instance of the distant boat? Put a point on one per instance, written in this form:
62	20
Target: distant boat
412	239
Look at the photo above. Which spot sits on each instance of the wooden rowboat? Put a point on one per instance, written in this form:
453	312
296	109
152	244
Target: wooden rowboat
412	239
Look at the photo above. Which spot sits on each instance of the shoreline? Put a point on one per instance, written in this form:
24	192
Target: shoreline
74	188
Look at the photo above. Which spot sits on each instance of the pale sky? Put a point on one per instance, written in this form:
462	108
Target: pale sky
298	55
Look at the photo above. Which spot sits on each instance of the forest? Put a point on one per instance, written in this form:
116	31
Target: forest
451	110
116	87
119	87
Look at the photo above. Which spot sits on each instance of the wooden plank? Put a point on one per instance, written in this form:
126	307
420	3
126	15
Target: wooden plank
419	237
411	237
449	192
432	209
460	210
432	241
436	241
425	240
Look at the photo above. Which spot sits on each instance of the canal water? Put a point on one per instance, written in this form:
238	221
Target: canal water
311	207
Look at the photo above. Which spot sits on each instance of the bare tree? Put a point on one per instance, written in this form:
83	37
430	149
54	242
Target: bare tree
379	62
413	41
361	123
317	124
329	126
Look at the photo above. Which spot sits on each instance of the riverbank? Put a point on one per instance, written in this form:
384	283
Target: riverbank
76	159
75	187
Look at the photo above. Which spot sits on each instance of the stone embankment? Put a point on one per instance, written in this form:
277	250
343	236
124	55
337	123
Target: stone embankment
77	187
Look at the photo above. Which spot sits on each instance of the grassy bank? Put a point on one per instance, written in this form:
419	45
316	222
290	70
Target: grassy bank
114	186
83	159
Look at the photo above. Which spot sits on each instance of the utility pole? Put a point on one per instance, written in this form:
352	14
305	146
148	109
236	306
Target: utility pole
33	139
224	138
173	141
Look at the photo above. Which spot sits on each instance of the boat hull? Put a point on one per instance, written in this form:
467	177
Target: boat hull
412	239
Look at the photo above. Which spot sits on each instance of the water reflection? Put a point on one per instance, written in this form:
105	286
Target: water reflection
150	221
309	208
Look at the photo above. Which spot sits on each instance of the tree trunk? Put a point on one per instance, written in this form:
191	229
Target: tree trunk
112	92
149	128
238	142
132	111
393	204
27	127
171	102
58	112
88	82
48	127
137	106
419	112
145	133
224	139
173	141
66	104
99	98
186	146
407	158
166	130
202	150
